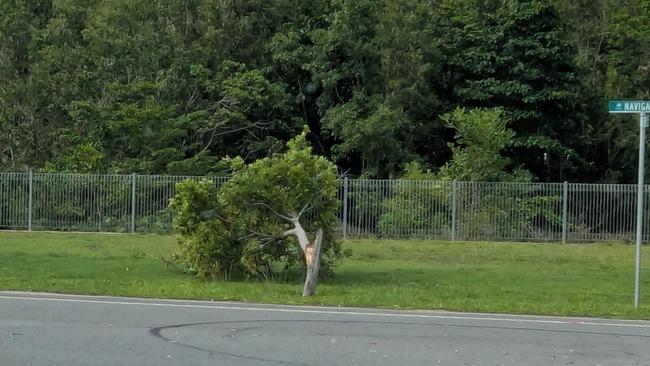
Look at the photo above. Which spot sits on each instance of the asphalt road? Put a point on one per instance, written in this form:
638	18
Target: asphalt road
47	330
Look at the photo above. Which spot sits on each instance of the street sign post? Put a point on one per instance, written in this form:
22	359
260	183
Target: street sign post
642	108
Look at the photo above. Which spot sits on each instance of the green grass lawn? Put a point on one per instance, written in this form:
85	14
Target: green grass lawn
575	279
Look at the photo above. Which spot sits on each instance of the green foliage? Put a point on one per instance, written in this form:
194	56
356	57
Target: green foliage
141	82
375	62
482	137
210	246
370	129
613	45
516	56
173	87
626	75
422	200
84	158
92	203
497	211
238	228
417	204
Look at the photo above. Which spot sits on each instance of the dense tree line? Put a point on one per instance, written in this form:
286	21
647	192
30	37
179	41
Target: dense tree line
174	86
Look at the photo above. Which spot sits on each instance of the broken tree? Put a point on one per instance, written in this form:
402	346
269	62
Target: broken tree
253	215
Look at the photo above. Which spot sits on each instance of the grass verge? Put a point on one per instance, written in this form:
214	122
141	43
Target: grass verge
551	279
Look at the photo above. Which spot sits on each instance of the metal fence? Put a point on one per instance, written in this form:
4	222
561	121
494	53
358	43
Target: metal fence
381	208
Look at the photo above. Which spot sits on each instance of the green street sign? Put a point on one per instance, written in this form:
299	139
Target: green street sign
629	106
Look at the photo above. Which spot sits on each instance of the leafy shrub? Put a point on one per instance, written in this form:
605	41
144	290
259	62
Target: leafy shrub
419	206
240	229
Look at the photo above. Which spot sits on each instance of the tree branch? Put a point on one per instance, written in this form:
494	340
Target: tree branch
305	208
288	218
298	231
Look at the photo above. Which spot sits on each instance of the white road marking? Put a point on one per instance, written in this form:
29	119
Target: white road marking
512	319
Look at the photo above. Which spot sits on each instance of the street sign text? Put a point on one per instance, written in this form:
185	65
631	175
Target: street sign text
629	106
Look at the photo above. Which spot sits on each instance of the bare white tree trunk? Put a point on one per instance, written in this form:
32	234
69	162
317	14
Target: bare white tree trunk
312	253
299	232
311	250
312	257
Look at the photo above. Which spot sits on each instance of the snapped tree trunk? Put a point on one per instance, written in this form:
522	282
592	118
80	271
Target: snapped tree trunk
311	250
312	258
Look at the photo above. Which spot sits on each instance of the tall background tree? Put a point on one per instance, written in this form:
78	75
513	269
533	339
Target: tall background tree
172	87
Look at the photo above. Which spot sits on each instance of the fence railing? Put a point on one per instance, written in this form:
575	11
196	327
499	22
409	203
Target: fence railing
383	208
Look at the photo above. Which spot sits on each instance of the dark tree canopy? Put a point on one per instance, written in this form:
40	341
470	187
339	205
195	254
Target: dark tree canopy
174	86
